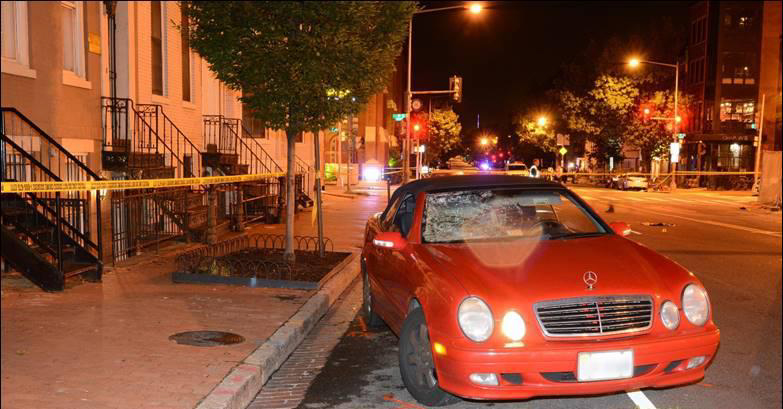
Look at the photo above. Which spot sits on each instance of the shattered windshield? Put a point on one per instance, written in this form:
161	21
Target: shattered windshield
458	216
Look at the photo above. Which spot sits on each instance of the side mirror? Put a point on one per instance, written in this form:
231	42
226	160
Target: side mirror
621	228
390	240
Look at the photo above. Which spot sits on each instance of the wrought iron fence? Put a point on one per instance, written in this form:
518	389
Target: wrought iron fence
214	257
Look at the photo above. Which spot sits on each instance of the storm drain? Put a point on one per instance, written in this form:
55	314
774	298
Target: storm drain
206	338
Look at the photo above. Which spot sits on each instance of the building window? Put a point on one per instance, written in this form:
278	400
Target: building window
158	42
14	35
254	126
734	156
745	22
185	58
737	114
739	68
698	31
73	37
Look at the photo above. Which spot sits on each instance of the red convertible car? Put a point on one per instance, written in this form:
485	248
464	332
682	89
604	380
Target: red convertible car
506	287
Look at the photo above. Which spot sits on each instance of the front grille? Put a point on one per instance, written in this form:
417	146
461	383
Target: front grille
594	316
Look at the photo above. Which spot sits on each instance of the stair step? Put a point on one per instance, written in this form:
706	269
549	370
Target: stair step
72	269
15	211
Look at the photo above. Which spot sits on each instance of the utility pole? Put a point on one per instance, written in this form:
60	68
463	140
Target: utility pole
350	154
757	165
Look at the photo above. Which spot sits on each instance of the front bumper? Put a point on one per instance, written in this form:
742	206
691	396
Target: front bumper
544	370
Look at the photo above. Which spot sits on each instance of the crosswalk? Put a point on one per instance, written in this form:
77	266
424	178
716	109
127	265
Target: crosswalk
593	195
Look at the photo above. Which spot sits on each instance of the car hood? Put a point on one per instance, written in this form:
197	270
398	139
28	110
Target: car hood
553	269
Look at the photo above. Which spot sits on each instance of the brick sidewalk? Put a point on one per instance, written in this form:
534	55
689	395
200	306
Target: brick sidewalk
106	345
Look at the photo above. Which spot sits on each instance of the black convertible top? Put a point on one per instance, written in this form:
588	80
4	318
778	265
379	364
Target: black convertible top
468	181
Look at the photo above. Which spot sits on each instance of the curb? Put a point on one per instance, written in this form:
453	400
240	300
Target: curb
243	382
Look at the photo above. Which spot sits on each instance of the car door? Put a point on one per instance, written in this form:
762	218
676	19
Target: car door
399	263
376	261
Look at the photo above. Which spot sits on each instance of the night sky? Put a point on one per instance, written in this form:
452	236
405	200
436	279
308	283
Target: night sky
510	53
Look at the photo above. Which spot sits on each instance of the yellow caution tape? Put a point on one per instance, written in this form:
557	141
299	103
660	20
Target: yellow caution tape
65	186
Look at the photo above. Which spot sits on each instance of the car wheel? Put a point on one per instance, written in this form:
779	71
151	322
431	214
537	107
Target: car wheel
417	365
373	320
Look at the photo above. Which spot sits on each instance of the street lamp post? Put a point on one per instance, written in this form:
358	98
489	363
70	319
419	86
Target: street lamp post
634	62
474	8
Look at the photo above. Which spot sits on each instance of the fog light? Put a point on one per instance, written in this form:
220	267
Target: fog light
487	379
695	361
513	326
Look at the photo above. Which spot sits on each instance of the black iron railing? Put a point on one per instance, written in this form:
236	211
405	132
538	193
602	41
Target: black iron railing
220	134
173	137
131	144
144	218
28	154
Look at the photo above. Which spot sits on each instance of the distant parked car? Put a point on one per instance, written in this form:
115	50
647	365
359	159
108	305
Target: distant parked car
628	182
517	168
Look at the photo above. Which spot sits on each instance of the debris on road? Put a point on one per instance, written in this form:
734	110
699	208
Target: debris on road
610	209
658	224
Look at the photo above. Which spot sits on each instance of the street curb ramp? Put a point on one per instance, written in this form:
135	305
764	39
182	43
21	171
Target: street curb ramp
243	382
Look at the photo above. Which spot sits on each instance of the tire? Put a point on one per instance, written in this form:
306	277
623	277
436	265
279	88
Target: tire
372	319
417	365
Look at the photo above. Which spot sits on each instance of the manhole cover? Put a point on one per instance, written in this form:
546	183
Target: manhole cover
206	338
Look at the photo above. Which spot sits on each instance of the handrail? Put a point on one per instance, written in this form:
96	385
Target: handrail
52	141
180	137
29	157
246	135
75	231
49	173
113	103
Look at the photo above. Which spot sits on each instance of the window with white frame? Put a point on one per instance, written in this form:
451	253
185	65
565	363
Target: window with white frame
73	37
14	32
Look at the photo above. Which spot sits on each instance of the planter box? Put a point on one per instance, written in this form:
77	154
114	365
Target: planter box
187	278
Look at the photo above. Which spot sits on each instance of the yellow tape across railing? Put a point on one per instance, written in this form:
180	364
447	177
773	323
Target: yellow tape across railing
67	186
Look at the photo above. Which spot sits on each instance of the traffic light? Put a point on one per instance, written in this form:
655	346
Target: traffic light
645	112
455	85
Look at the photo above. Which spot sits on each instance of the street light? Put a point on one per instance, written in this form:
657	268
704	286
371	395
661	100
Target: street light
474	8
542	121
635	62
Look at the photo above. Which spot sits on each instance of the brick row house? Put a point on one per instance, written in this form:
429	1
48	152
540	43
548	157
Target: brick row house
165	115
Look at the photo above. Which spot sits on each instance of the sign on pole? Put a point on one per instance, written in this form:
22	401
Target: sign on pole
675	151
399	117
416	104
563	150
563	139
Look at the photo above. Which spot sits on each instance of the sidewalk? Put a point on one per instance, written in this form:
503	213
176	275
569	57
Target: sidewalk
105	345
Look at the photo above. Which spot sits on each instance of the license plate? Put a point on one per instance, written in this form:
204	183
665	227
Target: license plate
605	365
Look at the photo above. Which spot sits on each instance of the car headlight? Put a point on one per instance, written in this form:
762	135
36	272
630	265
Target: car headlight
475	319
670	315
513	326
695	304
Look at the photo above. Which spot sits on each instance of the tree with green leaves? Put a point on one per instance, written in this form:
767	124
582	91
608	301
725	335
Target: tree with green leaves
444	136
301	66
653	136
603	115
529	130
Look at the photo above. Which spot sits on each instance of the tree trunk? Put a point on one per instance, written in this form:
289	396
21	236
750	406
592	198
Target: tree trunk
290	196
318	208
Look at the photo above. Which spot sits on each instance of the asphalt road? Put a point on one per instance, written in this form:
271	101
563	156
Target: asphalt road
733	246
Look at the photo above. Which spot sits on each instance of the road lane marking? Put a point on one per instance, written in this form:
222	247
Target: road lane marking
726	225
640	399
